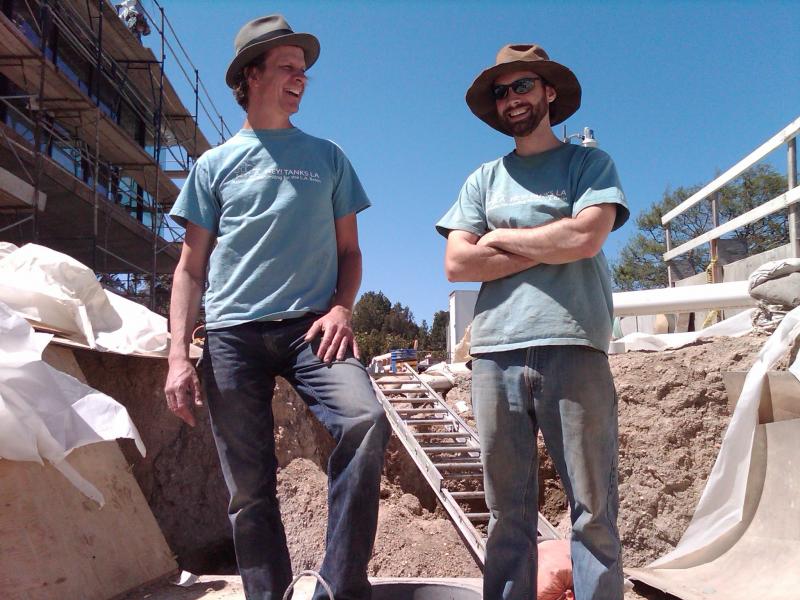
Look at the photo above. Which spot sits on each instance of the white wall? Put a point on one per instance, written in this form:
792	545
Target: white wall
462	308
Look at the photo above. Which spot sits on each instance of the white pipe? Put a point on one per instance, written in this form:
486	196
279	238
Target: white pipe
688	298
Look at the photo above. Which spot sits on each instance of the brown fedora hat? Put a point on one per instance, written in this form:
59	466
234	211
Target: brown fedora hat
259	35
525	57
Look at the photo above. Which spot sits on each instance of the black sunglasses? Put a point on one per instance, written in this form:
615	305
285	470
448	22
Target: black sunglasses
520	86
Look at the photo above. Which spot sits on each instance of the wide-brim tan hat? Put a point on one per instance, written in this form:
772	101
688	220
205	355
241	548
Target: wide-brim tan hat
259	35
525	57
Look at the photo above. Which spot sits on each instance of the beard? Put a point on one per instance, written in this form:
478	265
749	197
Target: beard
529	124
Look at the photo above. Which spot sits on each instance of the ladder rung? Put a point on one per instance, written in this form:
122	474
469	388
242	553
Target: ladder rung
420	411
428	400
462	475
444	434
479	495
428	421
478	517
403	390
459	465
450	448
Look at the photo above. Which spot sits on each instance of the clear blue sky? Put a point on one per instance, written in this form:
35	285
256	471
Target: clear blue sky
675	92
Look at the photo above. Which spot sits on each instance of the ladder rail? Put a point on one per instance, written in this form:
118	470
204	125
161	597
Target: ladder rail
437	472
473	538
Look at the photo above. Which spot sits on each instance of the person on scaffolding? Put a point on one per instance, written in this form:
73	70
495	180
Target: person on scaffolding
131	14
278	208
530	226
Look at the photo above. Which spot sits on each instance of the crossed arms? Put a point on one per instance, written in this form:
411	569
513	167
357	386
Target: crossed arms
504	252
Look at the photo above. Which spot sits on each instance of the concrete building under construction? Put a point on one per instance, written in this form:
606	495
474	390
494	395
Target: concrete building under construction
93	136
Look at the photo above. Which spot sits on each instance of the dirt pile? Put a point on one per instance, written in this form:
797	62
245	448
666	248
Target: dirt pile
180	476
411	540
182	481
673	413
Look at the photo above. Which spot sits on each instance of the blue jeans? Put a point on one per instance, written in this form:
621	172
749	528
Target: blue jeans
568	393
239	369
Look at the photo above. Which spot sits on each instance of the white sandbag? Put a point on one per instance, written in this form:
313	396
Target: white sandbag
777	283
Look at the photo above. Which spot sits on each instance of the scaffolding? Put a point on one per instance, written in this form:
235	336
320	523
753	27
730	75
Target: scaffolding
92	135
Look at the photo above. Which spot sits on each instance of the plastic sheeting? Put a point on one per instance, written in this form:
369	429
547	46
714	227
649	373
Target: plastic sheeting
735	326
58	292
44	413
758	558
722	503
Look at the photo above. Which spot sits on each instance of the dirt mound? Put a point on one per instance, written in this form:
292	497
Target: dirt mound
411	541
673	413
182	481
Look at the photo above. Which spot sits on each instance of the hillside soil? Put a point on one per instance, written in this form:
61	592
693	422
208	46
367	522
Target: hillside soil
673	412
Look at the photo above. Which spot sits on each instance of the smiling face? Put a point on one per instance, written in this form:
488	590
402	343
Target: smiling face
276	90
522	114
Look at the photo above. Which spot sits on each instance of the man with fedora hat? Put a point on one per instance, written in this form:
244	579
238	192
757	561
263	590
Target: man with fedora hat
530	226
272	212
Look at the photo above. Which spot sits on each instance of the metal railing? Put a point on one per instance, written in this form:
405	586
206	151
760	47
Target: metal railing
789	199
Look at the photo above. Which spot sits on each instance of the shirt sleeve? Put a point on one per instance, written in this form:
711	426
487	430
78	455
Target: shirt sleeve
197	202
348	194
598	183
469	211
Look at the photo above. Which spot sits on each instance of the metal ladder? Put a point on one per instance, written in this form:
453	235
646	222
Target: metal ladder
447	452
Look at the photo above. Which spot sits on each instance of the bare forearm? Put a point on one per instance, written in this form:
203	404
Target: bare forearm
187	292
349	279
550	244
482	263
563	241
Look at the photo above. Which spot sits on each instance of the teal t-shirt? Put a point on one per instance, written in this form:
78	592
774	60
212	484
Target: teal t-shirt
271	198
568	304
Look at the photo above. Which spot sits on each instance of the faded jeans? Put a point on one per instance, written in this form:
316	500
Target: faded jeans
239	369
568	393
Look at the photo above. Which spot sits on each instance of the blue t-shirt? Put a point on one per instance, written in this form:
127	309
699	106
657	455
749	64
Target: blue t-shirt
271	198
567	304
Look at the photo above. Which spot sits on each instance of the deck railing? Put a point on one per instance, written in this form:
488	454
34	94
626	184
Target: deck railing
789	199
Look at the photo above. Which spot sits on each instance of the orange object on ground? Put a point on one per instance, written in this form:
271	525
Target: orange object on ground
554	580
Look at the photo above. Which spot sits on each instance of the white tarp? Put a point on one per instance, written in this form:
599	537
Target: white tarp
44	413
735	326
759	558
722	503
58	292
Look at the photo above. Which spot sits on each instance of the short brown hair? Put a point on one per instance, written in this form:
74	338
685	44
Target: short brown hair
241	89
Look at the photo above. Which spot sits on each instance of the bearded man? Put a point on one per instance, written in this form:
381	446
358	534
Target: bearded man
530	226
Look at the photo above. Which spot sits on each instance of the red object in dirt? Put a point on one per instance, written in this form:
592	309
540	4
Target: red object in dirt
555	571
